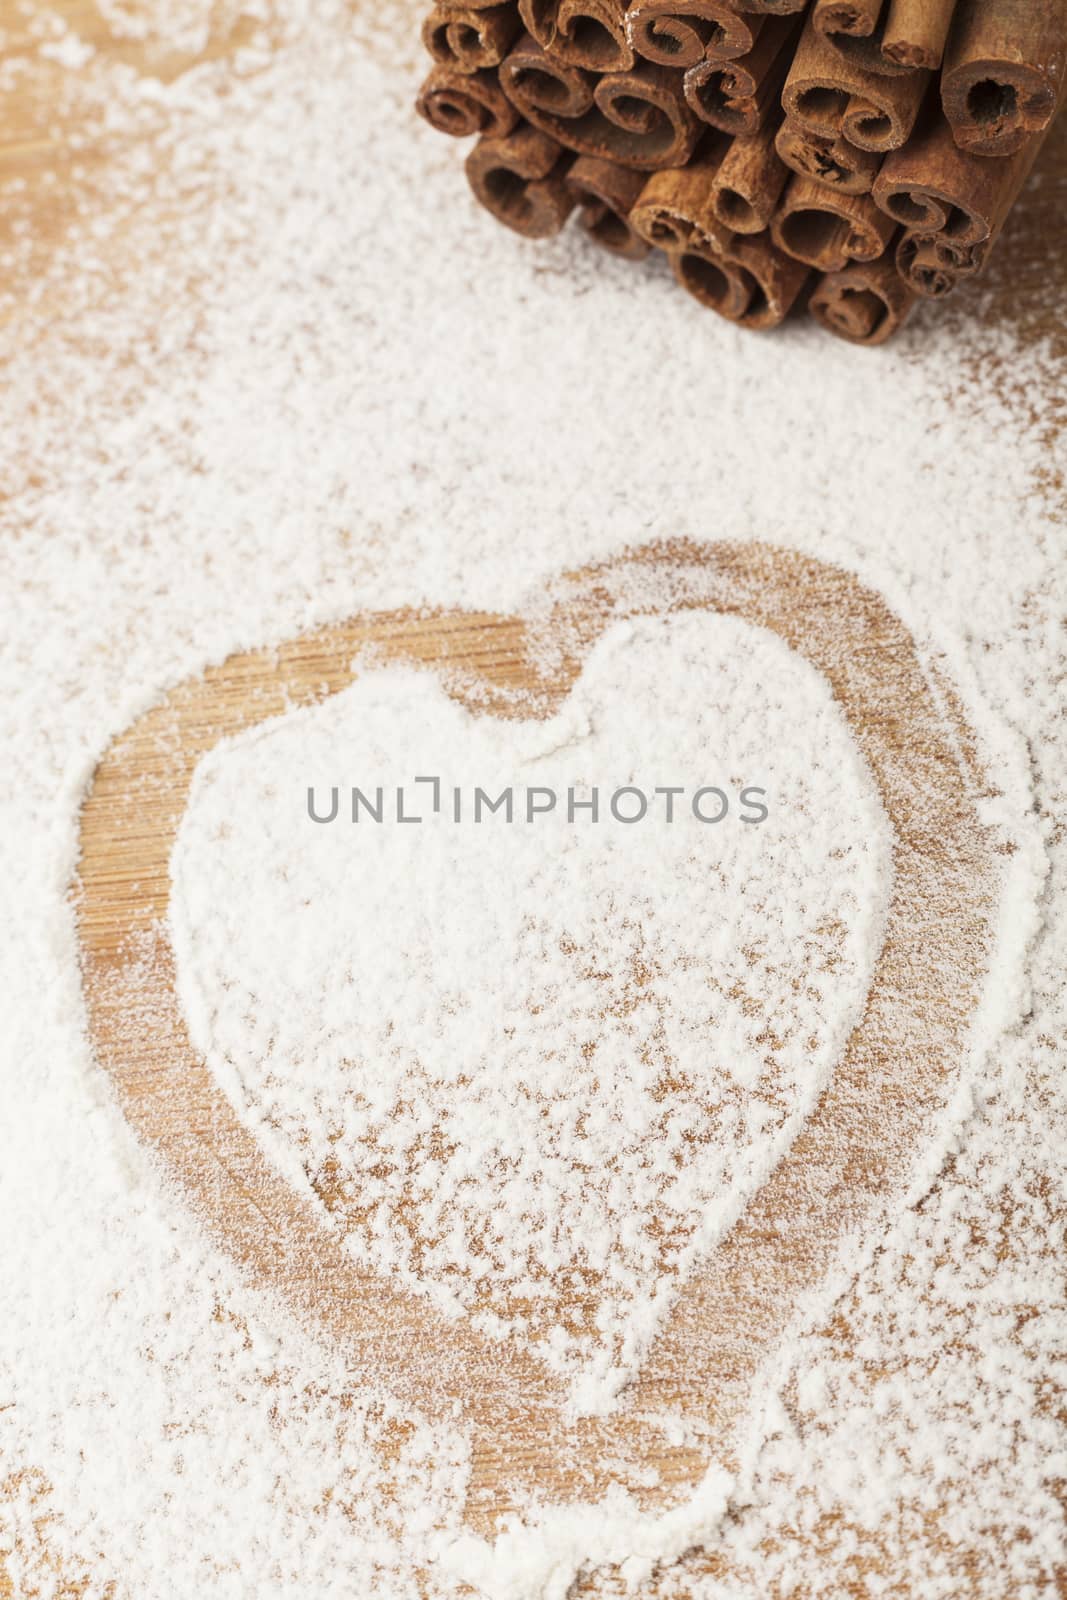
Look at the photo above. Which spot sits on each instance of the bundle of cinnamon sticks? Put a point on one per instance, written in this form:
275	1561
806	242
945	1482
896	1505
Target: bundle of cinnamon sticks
844	156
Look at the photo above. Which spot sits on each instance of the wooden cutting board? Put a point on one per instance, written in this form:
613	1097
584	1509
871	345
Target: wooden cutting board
705	1361
124	860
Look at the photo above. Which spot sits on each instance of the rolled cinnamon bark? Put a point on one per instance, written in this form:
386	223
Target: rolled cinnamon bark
773	8
748	184
827	229
521	179
740	96
857	19
748	282
675	210
828	160
605	194
916	32
679	33
470	39
638	119
590	34
933	265
884	120
539	86
465	103
856	31
830	94
866	302
932	186
1004	72
717	283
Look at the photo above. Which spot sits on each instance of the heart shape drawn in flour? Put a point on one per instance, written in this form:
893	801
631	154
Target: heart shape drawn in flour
836	1180
534	1069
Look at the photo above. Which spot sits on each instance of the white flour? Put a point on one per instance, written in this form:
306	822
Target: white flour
436	1031
269	366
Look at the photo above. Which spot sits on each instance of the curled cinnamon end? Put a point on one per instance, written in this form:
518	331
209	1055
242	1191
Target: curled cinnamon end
885	122
1004	73
857	19
857	30
674	210
829	94
827	229
638	119
778	281
605	194
934	187
468	39
748	282
590	34
649	123
521	179
740	96
933	265
680	33
713	280
916	32
463	104
865	303
748	185
539	86
827	159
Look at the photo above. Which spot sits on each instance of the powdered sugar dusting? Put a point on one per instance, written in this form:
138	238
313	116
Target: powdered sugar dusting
666	999
266	365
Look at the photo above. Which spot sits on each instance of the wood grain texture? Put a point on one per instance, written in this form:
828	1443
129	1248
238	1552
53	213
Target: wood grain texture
1024	291
897	1073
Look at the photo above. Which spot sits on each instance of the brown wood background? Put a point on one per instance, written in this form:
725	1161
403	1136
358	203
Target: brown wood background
47	187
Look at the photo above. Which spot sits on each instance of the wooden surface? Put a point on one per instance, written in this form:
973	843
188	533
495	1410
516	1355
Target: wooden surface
839	1173
702	1363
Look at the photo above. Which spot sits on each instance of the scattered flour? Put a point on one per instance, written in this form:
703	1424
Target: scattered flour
267	366
660	1003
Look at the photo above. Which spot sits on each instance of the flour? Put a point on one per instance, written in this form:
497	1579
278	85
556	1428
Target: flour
664	1005
266	366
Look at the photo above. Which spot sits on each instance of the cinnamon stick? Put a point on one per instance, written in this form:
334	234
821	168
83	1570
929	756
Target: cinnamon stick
856	30
521	179
463	103
1004	72
470	39
866	302
748	282
773	8
916	32
679	33
827	229
717	283
590	34
649	124
932	186
778	280
830	94
858	19
605	194
739	96
934	260
748	184
933	265
827	159
539	86
675	210
638	119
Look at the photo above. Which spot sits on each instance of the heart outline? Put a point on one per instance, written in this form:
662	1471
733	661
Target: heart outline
724	1325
